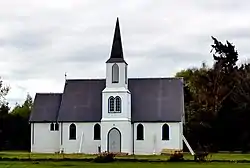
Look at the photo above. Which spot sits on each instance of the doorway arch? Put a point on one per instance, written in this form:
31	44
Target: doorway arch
114	140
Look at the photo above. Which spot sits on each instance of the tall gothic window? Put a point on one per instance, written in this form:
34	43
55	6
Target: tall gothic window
117	104
56	127
114	104
126	74
115	73
52	127
111	103
165	132
97	132
140	132
72	132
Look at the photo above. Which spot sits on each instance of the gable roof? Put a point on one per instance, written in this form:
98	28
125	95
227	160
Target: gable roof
46	107
152	100
157	99
82	100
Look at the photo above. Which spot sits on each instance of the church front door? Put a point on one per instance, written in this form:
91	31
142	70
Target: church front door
114	140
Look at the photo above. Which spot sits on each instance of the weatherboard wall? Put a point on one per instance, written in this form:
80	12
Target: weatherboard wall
153	142
84	131
43	140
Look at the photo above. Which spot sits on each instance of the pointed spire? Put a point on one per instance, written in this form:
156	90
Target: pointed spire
116	51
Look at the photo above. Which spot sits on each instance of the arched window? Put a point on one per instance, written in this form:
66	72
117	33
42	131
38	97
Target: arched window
115	73
126	74
52	127
165	132
117	104
56	127
111	103
97	132
114	104
72	132
140	132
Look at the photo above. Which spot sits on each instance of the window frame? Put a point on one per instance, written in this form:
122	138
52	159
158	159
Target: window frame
52	127
165	132
111	110
56	126
115	73
114	104
118	104
126	74
71	137
97	131
139	135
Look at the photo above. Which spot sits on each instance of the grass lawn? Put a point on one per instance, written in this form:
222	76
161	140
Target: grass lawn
74	164
118	165
216	156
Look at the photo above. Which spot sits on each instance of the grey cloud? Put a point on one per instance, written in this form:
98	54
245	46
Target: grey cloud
159	37
229	5
239	34
25	41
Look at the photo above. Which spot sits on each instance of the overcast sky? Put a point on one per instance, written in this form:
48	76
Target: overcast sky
40	40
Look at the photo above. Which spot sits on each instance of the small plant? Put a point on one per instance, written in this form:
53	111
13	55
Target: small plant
177	156
105	157
201	156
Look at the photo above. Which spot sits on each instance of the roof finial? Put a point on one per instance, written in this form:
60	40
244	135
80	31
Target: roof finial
65	76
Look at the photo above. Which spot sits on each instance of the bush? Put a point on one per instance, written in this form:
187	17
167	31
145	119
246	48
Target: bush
177	156
105	157
201	156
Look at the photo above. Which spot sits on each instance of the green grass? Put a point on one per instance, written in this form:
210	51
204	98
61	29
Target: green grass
73	164
118	165
216	156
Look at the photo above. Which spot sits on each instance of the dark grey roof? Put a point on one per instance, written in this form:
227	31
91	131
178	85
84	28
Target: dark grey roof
46	107
116	50
156	99
153	99
82	100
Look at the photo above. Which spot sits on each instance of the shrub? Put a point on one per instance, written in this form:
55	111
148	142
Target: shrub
201	156
105	157
177	156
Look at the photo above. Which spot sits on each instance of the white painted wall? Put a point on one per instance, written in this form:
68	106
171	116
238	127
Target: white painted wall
89	145
147	146
45	141
125	128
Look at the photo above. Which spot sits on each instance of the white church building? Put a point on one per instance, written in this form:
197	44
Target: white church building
115	114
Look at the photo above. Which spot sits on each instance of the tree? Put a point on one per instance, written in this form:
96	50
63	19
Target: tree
4	90
220	81
4	109
207	89
225	55
241	94
196	117
25	109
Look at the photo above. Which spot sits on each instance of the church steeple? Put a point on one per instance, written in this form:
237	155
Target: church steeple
116	50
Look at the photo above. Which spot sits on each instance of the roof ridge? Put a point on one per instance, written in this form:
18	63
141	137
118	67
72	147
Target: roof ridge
46	93
84	79
99	79
156	78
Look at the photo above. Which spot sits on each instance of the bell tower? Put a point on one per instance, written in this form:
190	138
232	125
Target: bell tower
116	66
116	98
